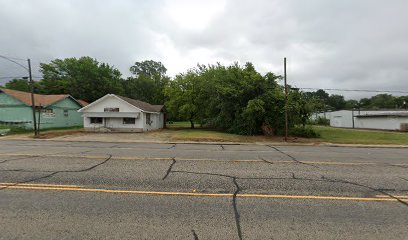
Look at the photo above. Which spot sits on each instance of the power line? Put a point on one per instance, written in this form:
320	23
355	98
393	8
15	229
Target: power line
354	90
19	77
11	60
14	58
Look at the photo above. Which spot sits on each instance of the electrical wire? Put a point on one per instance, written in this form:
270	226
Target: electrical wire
11	60
353	90
21	59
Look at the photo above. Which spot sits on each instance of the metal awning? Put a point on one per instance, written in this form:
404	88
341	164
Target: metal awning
112	114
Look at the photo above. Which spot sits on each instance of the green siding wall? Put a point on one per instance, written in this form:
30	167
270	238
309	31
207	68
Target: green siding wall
63	119
12	110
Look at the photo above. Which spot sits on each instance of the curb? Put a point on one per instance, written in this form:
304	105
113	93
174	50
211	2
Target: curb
289	144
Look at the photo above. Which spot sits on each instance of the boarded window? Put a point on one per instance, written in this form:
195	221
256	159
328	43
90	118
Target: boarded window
111	109
96	120
129	120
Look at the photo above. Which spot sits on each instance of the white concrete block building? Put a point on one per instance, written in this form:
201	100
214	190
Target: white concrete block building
121	114
384	120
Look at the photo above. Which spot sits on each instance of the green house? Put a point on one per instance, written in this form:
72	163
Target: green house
52	111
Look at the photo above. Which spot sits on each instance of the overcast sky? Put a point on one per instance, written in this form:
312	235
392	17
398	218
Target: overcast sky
350	44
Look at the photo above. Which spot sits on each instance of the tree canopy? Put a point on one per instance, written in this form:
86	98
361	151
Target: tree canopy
234	98
148	82
84	78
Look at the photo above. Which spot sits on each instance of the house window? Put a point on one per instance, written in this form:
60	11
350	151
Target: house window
44	110
129	120
111	109
148	119
66	113
96	120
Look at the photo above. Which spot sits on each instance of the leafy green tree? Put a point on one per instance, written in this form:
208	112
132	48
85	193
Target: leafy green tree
84	78
350	104
148	82
233	98
184	97
336	102
402	102
382	101
18	84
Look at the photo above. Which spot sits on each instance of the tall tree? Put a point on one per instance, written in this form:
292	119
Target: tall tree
84	78
148	82
232	98
183	93
336	102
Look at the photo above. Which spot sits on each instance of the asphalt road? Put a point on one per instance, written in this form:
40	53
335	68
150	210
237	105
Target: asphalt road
90	190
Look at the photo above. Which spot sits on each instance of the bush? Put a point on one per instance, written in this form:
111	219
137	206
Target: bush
320	121
306	132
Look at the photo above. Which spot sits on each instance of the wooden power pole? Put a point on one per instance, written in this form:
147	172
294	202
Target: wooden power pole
286	101
32	98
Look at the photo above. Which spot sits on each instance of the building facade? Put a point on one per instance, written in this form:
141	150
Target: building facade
114	113
52	111
383	120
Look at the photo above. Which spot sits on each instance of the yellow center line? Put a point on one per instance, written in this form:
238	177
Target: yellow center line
206	159
397	196
6	184
195	194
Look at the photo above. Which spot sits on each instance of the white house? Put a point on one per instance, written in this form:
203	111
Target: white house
385	120
121	114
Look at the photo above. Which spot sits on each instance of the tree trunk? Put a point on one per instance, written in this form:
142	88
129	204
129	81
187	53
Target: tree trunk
192	123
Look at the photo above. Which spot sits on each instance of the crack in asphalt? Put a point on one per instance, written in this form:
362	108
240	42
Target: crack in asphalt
222	147
234	205
194	234
293	177
170	167
173	146
56	172
383	191
292	157
266	161
37	156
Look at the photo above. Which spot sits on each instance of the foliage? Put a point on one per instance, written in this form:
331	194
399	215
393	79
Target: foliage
19	85
84	78
235	99
303	131
319	121
148	82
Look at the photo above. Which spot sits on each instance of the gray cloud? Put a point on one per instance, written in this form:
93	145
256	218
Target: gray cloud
329	44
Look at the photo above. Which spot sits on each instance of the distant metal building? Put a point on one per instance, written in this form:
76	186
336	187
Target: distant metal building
383	120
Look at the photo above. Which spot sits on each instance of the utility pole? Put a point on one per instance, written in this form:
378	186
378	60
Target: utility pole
32	98
286	101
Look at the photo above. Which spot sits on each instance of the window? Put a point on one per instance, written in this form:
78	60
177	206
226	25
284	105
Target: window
45	110
66	113
96	120
148	119
129	120
111	109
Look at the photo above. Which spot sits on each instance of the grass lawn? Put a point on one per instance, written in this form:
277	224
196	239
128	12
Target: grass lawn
353	136
43	132
181	131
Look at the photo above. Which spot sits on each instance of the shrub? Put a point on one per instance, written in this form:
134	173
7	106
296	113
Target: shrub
306	132
320	121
